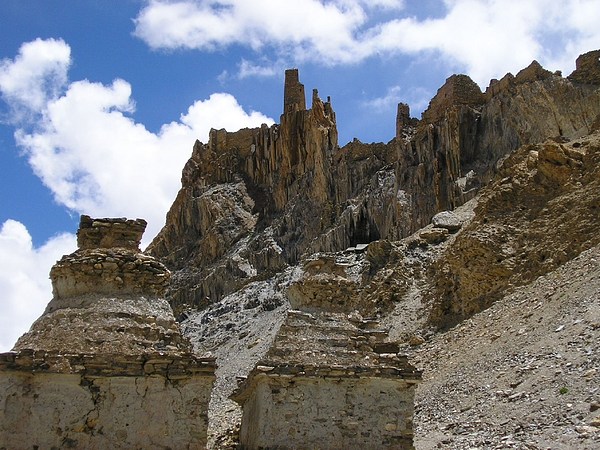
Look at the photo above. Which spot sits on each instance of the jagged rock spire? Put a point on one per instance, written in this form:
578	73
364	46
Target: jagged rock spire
293	92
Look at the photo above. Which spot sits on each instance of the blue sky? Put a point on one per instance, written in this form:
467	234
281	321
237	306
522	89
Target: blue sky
101	100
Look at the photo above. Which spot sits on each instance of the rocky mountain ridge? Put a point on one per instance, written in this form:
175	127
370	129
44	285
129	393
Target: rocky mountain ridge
257	200
269	215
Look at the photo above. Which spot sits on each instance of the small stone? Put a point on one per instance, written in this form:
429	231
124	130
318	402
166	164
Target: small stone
416	340
391	427
589	373
595	422
434	235
585	430
594	406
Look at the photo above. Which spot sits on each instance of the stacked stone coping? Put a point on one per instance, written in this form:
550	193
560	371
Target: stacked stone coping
158	363
107	271
329	346
109	261
110	233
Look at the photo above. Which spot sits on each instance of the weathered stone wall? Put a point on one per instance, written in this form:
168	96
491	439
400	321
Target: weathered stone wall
66	410
329	380
296	412
457	90
587	68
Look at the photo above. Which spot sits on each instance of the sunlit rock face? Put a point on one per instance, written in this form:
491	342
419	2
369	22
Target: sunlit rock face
539	213
105	366
255	201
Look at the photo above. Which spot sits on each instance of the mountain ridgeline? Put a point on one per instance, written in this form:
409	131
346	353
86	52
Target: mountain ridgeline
256	201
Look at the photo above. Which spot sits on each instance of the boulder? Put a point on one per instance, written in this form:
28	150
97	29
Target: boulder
447	220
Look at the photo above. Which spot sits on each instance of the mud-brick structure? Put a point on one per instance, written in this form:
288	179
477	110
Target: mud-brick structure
329	380
105	366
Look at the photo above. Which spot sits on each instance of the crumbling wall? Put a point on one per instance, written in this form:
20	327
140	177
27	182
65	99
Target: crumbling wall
40	409
106	365
329	380
457	90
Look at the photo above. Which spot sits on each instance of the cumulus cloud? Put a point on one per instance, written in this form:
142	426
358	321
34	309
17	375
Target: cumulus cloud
24	281
390	99
36	75
250	69
484	38
90	152
82	142
308	28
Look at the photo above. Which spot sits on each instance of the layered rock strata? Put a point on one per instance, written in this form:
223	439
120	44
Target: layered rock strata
540	212
257	200
105	366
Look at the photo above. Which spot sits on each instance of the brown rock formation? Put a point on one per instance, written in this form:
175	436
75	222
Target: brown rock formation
541	212
259	199
587	68
293	92
458	90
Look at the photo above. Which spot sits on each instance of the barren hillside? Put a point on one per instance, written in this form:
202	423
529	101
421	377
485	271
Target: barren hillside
470	238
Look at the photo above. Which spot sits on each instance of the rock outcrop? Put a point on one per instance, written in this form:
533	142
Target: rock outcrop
106	365
540	212
258	200
587	68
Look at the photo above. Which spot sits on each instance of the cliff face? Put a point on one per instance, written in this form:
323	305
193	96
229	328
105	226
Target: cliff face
257	200
540	212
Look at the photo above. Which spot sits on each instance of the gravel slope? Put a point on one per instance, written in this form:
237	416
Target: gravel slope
523	374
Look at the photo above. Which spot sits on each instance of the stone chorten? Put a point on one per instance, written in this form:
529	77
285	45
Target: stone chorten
330	380
105	366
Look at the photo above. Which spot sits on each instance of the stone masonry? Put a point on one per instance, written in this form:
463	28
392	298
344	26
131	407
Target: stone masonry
330	380
105	366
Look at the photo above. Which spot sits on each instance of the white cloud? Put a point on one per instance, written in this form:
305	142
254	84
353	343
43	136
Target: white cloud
82	143
93	156
308	28
484	38
391	98
384	4
250	69
36	75
24	281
